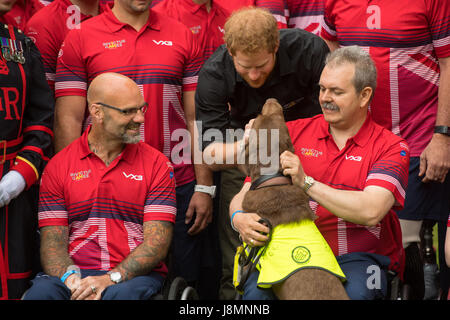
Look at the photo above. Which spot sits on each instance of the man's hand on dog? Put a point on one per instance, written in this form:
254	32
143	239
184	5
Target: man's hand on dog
252	232
290	163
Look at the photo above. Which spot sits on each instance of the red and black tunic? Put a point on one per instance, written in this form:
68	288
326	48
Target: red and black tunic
26	119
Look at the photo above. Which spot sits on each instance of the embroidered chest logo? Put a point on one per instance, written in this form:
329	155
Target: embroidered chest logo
353	158
311	152
131	176
114	44
196	29
80	175
221	29
163	43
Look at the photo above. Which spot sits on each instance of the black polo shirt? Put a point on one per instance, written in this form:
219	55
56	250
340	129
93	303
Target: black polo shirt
224	100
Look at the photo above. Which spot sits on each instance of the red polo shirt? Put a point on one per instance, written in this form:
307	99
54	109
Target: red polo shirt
374	156
207	27
162	58
105	206
48	34
405	39
306	15
21	12
278	8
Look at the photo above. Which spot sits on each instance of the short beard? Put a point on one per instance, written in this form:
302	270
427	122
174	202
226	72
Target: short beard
129	139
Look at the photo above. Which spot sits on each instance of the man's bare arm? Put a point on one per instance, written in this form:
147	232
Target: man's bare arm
54	254
153	250
200	204
69	116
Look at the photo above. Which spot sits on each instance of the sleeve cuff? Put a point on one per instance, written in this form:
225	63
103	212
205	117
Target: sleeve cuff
27	170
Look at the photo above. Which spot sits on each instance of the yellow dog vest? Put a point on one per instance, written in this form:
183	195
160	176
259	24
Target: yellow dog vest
292	247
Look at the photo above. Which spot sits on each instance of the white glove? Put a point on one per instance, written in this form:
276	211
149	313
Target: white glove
11	185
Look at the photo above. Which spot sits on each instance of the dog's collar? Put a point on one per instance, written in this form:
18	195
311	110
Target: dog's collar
262	181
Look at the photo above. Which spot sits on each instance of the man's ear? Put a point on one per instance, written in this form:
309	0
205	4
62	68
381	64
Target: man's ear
229	52
365	95
277	47
95	111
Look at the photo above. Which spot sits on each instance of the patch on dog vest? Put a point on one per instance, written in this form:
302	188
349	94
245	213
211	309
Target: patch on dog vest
301	254
295	246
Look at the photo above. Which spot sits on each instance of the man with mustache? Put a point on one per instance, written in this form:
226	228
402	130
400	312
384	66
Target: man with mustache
410	44
107	205
355	173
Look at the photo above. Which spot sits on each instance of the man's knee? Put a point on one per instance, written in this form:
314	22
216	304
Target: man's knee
45	287
366	275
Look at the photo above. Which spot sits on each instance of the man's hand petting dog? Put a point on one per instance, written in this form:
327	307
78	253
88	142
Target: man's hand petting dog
290	163
252	232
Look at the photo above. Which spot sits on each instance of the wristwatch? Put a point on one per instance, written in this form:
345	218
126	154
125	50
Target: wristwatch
115	277
211	190
308	182
442	129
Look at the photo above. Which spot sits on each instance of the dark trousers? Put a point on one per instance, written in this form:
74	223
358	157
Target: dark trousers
47	287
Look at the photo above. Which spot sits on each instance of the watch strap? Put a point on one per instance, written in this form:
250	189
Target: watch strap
442	129
211	190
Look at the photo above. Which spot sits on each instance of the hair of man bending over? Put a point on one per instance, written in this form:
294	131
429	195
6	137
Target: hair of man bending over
365	70
250	30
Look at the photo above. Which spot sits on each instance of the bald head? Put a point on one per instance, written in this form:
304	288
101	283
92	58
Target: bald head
115	89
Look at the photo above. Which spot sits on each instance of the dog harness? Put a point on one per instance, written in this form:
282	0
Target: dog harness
292	247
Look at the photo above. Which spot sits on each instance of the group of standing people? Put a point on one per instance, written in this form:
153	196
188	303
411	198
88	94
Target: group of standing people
118	79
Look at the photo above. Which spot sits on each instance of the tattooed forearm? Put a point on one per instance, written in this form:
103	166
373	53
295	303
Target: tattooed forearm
157	237
54	244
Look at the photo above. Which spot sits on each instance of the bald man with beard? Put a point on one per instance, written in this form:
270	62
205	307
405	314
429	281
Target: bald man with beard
107	205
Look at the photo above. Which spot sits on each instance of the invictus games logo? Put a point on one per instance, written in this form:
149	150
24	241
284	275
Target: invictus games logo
301	254
80	175
311	152
113	44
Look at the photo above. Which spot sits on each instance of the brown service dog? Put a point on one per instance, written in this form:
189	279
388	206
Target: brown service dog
286	203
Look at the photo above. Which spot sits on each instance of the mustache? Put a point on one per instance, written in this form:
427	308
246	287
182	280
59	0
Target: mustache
133	126
330	106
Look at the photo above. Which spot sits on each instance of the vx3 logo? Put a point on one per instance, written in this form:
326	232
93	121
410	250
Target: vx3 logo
133	176
163	43
357	158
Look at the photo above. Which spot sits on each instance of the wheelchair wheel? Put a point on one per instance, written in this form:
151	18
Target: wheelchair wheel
189	294
176	288
406	292
179	290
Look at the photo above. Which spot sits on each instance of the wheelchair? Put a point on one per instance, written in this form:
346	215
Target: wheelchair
397	290
177	289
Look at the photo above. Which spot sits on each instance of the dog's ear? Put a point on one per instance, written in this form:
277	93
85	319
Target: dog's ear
285	140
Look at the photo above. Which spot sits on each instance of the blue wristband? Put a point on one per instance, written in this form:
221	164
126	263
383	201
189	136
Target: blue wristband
67	274
232	217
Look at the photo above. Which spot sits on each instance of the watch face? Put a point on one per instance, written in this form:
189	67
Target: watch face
116	277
